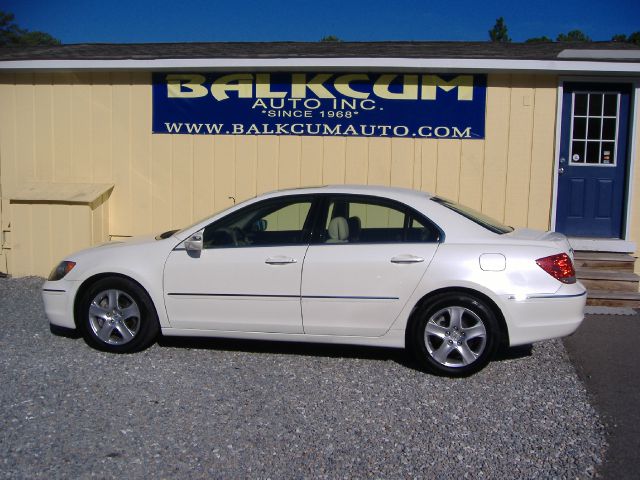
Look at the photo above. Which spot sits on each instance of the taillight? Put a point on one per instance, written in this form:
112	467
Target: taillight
559	267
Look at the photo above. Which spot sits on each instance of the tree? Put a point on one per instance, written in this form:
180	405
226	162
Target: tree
541	39
330	38
573	36
499	31
633	38
12	35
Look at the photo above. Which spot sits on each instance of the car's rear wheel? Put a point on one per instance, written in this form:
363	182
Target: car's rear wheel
455	334
116	315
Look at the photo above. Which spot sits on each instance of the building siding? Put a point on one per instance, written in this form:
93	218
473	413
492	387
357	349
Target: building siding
96	127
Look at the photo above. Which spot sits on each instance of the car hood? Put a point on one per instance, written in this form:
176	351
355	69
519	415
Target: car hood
556	238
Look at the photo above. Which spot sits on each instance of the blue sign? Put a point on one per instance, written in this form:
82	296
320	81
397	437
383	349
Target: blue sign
413	105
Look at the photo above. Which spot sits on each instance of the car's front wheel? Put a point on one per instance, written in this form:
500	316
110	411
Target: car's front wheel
455	334
116	315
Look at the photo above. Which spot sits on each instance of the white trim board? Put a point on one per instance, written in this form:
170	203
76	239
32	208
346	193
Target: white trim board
602	245
432	64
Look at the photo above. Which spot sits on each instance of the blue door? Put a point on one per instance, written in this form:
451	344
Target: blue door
593	160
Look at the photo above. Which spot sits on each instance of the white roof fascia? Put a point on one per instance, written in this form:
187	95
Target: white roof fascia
442	64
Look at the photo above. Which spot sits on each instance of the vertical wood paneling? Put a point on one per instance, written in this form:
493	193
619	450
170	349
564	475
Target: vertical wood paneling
182	180
224	172
496	145
21	240
357	152
97	127
161	192
81	128
471	172
519	153
61	91
402	153
267	176
203	203
542	158
80	226
121	215
41	253
448	174
289	162
141	196
24	98
379	161
61	233
101	135
311	161
7	147
246	167
43	138
429	163
334	160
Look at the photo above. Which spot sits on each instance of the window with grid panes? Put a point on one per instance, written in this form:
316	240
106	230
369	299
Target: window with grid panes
594	128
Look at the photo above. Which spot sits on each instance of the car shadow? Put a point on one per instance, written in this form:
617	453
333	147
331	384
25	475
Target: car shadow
396	355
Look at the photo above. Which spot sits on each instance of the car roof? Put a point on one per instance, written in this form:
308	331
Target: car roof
375	190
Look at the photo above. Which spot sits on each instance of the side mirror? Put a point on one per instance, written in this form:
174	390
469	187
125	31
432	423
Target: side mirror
193	244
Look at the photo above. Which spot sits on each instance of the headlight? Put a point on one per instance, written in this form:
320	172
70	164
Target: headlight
61	270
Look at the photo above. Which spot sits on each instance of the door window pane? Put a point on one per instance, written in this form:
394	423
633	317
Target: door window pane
593	152
594	118
595	104
595	126
268	223
610	105
580	104
372	222
580	128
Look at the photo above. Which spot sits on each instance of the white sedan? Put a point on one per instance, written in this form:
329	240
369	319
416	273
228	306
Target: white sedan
340	264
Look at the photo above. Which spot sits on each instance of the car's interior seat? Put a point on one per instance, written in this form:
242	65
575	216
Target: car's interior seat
338	230
355	226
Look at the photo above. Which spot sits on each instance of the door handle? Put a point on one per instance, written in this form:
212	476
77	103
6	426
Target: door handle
280	260
561	170
407	259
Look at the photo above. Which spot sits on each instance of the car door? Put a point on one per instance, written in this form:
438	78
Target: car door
363	265
247	276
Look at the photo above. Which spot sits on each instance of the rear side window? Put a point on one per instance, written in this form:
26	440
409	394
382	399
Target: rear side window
476	217
369	220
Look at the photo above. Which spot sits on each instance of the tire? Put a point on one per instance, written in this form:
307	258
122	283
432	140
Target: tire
116	315
454	335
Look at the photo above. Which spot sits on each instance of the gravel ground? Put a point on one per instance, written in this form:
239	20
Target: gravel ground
228	409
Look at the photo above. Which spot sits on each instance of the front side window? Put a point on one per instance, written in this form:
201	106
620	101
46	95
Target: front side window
355	220
268	223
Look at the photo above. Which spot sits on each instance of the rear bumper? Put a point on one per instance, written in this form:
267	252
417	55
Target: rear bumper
541	317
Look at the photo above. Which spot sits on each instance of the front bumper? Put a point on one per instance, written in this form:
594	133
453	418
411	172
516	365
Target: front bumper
58	302
542	317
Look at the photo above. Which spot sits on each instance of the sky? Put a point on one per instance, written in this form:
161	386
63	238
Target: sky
140	21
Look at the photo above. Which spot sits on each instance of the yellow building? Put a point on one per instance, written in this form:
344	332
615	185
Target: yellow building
99	142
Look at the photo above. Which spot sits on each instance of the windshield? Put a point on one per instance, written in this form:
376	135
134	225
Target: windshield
476	217
211	215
